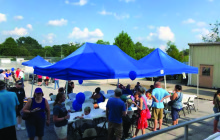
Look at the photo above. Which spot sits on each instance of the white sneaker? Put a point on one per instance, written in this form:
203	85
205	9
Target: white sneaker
20	128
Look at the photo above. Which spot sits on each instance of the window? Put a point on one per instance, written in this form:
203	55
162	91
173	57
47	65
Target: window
206	71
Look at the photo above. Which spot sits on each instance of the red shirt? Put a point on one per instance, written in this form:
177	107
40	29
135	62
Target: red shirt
39	76
47	77
17	73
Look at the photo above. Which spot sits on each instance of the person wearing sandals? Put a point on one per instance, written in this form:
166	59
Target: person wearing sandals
60	116
37	106
142	114
177	105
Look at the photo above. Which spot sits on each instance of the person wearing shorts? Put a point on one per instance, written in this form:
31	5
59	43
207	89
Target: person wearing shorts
177	105
60	116
115	109
158	95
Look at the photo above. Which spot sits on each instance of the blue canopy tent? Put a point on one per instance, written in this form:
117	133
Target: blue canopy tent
94	61
36	61
167	65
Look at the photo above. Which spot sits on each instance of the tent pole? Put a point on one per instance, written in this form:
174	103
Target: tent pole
118	83
165	82
197	91
32	84
66	91
152	80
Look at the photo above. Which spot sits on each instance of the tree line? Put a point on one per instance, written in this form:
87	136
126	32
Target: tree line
28	46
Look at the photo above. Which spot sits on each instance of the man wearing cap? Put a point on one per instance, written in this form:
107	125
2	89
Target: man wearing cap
21	96
115	109
8	104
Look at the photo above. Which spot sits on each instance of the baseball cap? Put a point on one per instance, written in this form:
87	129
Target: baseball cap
19	82
38	90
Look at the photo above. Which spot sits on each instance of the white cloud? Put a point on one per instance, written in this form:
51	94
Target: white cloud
2	17
127	1
163	47
86	35
80	2
104	12
150	26
165	33
49	38
117	16
60	22
201	24
135	28
18	17
29	26
189	21
202	32
16	32
122	16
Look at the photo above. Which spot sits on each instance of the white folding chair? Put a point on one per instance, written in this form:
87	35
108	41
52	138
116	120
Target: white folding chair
102	92
72	96
53	97
88	93
110	92
190	103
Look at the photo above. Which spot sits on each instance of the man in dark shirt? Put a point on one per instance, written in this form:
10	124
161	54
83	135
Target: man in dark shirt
21	96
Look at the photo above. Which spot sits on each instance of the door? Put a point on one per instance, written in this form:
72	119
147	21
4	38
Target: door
206	76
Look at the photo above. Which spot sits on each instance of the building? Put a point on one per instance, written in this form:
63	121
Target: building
205	56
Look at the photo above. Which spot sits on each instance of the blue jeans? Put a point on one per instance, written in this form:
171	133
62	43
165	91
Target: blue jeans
56	82
216	111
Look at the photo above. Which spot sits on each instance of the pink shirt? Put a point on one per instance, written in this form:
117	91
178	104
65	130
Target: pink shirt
56	79
39	76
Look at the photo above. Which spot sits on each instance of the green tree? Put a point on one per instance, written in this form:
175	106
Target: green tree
102	42
125	43
9	47
173	51
30	44
141	51
214	35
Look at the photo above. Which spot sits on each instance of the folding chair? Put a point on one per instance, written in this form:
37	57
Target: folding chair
103	125
190	103
88	93
130	113
53	97
110	92
72	96
81	125
102	92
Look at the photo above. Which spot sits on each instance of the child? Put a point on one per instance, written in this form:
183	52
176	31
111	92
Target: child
129	103
86	114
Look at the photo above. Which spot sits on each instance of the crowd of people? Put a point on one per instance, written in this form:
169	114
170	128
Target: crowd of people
116	109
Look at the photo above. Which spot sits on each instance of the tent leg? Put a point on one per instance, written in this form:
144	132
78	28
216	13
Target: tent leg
152	80
118	83
197	91
32	84
165	82
66	91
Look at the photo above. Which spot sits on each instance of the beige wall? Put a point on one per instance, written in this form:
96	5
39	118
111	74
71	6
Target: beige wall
208	55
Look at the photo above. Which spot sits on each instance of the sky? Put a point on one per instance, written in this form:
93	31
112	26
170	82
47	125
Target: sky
151	22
